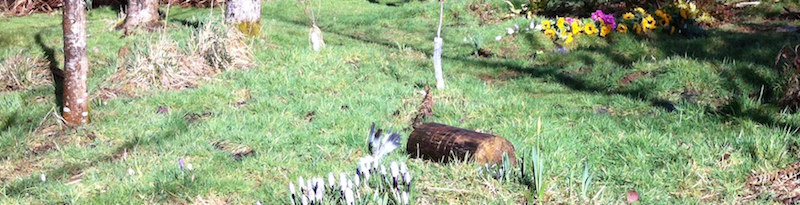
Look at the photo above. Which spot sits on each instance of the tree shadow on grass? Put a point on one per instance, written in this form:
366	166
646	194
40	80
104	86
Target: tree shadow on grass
176	126
57	73
728	45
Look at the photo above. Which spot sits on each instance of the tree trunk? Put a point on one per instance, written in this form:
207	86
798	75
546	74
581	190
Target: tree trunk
141	14
438	142
76	64
245	15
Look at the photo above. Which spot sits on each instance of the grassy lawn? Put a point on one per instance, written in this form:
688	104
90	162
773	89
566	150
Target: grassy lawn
680	120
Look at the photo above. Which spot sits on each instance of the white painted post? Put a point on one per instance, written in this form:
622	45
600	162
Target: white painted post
438	43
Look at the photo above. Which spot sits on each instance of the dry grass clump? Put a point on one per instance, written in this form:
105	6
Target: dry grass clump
790	58
783	185
21	71
165	63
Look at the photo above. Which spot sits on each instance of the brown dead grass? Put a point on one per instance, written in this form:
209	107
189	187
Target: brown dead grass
166	64
22	71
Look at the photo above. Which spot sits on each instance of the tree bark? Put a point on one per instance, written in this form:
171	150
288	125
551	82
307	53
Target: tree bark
245	15
141	14
76	64
438	142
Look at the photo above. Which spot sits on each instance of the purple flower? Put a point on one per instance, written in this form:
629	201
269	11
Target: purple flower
570	20
608	19
180	163
597	15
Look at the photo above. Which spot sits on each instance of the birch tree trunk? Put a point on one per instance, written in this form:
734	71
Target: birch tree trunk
76	64
245	15
141	14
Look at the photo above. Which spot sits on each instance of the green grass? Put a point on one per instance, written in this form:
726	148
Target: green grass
372	71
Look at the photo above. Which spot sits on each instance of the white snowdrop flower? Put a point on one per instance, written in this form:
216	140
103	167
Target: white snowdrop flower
309	187
189	166
304	200
516	27
131	172
509	31
348	197
291	188
403	167
407	178
350	184
312	196
383	170
365	162
331	179
405	197
358	180
43	177
532	25
343	180
320	192
498	38
320	183
538	28
258	203
301	183
395	169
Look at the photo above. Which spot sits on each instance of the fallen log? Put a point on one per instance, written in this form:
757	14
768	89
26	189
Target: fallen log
444	143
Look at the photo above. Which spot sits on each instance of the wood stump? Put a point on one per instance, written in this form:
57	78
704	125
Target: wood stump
141	14
438	142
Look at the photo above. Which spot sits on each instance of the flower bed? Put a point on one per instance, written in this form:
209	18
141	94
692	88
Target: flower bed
676	18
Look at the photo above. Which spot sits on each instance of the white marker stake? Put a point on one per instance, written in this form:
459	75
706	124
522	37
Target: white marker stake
438	43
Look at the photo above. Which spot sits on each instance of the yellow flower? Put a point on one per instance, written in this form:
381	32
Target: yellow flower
546	25
605	30
661	13
622	28
638	29
560	23
628	16
576	28
563	33
665	22
640	10
590	29
687	14
648	22
569	40
683	13
550	33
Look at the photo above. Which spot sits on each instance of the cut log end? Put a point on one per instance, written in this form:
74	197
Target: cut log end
438	142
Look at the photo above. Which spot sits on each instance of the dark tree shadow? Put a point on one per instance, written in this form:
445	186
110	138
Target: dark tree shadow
745	48
115	5
57	73
10	121
176	126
